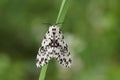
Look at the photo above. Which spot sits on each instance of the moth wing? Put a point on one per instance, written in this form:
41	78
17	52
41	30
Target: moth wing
44	53
62	53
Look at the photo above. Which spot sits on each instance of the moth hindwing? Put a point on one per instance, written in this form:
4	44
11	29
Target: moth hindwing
53	46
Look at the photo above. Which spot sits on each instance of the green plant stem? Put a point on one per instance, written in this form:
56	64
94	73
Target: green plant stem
62	12
60	18
43	72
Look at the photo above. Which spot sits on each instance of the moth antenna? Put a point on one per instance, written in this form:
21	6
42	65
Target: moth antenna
59	23
49	24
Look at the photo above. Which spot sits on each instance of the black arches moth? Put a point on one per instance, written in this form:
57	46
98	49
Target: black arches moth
53	46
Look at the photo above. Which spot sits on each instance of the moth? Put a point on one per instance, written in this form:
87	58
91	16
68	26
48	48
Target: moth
53	46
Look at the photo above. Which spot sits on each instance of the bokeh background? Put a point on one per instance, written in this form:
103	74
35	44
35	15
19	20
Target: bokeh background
91	29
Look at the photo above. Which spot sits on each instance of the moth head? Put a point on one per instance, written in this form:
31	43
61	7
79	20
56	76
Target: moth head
53	30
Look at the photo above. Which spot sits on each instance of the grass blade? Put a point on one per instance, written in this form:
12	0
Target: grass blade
60	19
43	72
62	11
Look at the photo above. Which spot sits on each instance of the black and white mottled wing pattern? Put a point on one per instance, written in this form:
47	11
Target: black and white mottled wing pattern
53	46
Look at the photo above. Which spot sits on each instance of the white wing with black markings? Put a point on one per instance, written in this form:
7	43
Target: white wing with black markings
53	46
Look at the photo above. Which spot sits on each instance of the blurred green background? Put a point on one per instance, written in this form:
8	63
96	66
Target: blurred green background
91	29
